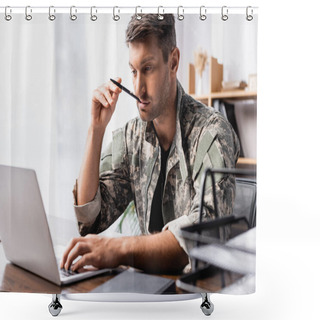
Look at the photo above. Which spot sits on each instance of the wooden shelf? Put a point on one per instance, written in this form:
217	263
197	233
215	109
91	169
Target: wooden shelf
215	88
247	161
226	94
215	85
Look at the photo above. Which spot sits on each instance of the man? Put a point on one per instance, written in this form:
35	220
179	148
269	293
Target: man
156	160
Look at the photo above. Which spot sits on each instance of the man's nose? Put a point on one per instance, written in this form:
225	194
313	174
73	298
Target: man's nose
139	85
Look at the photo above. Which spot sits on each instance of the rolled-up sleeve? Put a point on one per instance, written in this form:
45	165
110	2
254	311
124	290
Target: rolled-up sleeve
86	214
114	191
175	226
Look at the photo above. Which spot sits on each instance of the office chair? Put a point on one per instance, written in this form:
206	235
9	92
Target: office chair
245	200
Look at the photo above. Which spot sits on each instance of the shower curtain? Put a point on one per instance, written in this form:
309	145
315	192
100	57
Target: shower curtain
52	61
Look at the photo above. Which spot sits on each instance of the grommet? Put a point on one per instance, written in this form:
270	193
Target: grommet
73	16
160	16
249	17
7	16
93	17
203	12
28	16
224	13
180	13
138	16
116	17
52	17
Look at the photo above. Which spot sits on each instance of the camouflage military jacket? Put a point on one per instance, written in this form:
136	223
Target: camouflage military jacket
130	167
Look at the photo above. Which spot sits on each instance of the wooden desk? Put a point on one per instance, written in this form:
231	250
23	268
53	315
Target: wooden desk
16	279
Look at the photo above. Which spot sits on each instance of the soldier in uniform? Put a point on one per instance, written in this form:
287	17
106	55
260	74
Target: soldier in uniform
155	160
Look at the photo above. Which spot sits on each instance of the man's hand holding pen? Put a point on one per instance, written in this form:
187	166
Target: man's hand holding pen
103	104
104	101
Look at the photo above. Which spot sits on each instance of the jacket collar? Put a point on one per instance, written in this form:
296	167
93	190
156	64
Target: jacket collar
176	147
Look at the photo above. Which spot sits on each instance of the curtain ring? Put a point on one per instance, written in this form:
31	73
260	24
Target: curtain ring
249	17
180	14
52	16
28	16
73	16
160	16
7	16
116	17
224	15
138	16
203	12
93	17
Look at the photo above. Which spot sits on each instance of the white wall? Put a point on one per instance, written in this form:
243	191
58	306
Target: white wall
232	42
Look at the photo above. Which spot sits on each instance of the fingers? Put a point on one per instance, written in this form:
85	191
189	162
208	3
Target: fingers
66	253
104	102
99	96
77	247
80	249
118	79
107	94
85	260
92	250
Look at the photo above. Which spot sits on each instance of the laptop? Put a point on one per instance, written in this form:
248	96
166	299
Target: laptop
24	229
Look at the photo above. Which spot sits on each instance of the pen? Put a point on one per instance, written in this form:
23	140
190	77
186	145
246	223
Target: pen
125	89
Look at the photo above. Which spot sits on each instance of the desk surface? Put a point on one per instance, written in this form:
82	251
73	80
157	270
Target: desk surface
16	279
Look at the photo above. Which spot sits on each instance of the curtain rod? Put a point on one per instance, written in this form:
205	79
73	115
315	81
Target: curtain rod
128	9
116	11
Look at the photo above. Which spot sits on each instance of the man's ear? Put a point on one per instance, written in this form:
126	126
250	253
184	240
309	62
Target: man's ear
174	60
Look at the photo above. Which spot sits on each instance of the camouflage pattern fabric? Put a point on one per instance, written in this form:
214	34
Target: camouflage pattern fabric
130	168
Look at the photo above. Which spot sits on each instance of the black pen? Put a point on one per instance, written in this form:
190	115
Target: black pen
124	89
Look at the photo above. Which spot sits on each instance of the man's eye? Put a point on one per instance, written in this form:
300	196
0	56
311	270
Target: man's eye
134	72
148	68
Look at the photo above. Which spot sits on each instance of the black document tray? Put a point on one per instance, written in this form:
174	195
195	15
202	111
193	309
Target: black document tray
208	232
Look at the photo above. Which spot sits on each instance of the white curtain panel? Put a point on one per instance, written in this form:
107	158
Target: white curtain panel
49	69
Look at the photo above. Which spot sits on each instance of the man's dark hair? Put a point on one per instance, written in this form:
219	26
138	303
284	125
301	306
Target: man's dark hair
149	25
